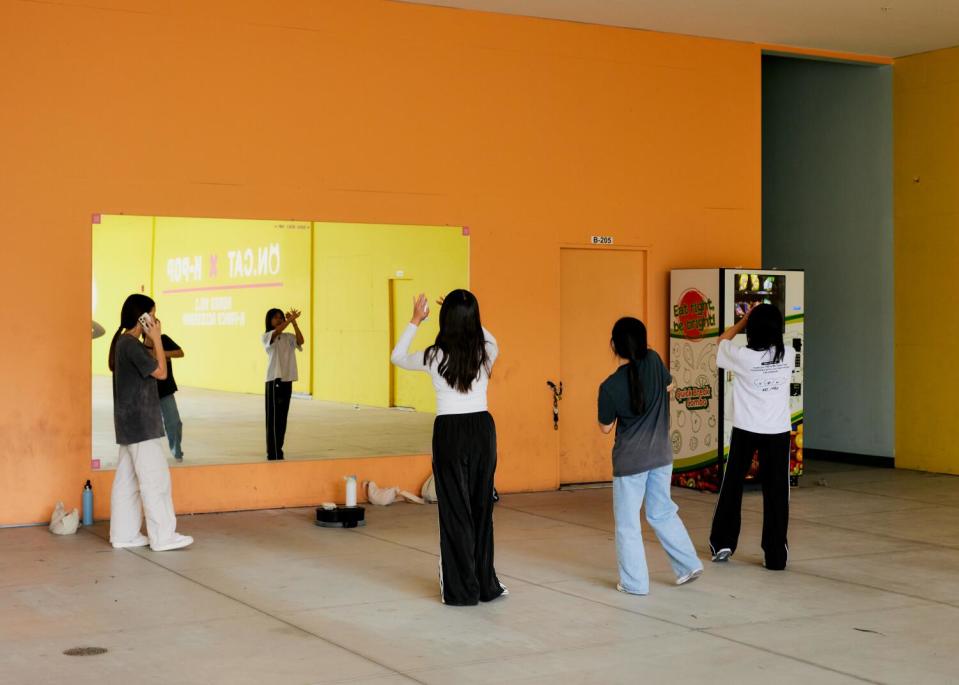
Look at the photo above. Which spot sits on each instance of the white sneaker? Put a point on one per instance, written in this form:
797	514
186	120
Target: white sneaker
505	593
178	542
722	555
689	577
620	587
138	541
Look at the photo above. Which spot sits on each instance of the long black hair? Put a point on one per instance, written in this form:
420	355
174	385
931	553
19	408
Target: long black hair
629	343
461	340
764	330
269	317
135	306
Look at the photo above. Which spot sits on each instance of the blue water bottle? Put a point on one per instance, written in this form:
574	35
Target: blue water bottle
88	504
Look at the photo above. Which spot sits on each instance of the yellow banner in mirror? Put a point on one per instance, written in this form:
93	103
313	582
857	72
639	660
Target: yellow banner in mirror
214	281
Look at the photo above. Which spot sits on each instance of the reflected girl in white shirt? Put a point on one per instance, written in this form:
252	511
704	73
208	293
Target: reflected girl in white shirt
281	373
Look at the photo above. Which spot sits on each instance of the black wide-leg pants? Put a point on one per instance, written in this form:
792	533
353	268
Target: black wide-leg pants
774	475
464	461
278	394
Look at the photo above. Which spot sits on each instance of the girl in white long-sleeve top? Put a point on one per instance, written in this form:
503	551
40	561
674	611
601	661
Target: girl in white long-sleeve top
464	443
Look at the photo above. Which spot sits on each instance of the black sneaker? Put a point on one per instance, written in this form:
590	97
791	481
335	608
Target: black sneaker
722	555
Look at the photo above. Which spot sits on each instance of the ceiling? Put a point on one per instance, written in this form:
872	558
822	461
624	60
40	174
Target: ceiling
890	28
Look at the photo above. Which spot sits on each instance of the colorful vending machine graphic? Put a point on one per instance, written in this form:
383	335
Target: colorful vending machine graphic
705	302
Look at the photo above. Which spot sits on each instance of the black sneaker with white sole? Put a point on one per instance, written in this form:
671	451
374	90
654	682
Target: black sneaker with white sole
722	555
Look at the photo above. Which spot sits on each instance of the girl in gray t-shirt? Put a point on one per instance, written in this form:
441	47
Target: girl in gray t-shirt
141	485
634	400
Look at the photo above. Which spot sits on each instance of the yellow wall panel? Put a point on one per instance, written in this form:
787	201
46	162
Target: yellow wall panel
926	97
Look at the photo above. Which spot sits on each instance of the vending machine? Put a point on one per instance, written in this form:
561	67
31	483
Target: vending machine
704	302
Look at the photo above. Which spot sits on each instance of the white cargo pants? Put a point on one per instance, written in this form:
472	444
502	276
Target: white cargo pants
142	486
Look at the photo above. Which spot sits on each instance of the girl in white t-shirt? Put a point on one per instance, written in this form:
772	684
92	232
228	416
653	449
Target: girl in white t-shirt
281	373
464	443
761	424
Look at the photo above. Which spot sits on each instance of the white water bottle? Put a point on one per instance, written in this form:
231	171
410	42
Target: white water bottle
350	490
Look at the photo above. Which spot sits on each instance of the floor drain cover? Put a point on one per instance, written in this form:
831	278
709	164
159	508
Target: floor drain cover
85	651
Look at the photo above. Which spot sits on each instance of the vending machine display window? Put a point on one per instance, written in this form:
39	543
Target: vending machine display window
705	303
758	288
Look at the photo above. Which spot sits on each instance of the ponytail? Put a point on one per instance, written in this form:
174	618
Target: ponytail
111	358
637	398
629	343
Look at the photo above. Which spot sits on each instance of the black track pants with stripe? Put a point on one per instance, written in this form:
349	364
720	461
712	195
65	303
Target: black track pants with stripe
278	394
464	461
774	476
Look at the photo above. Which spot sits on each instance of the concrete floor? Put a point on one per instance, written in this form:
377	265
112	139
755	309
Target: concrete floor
871	595
228	428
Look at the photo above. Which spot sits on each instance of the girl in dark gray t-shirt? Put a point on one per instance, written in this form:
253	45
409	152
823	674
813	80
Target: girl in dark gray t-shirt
141	485
635	401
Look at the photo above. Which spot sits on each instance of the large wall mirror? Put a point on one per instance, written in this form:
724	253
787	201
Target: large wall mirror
214	280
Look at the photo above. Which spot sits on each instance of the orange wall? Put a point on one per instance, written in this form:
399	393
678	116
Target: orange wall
264	486
533	133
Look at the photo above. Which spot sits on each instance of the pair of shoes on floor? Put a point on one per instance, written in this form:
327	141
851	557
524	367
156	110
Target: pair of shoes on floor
682	580
176	542
505	593
722	555
689	577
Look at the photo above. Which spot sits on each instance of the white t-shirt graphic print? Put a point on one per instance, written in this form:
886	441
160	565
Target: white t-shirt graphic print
760	387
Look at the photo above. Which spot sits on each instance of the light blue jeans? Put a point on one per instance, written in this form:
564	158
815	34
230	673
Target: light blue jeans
661	513
172	424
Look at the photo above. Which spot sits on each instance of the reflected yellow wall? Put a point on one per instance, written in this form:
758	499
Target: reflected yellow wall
353	268
122	258
213	280
926	96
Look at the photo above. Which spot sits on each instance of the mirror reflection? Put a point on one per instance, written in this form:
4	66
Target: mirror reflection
265	320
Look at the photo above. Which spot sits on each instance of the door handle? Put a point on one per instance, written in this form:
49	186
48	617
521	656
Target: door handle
557	396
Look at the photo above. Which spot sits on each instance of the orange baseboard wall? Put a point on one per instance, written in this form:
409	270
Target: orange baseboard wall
274	485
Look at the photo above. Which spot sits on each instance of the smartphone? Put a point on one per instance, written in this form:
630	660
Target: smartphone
146	321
